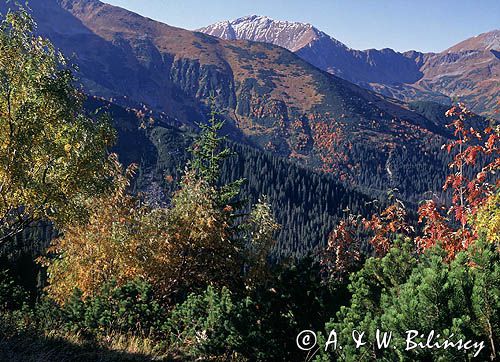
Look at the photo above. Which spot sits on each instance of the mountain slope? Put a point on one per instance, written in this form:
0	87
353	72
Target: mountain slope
320	49
275	101
306	204
469	70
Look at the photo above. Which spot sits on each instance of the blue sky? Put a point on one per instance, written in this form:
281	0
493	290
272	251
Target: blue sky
425	25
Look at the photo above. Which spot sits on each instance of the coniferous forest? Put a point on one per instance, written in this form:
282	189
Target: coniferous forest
127	235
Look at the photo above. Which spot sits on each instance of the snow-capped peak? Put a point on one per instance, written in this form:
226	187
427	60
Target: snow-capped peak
290	35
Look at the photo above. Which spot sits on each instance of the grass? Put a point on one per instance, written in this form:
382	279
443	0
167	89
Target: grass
72	347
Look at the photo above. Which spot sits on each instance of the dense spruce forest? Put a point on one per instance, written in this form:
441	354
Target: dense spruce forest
127	237
306	203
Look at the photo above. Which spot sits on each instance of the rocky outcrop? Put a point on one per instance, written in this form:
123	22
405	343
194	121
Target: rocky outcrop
469	71
272	99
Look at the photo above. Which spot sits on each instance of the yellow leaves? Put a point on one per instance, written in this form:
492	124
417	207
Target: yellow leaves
97	252
52	156
487	219
185	246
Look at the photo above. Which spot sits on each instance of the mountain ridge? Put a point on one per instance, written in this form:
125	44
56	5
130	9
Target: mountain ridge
274	100
408	76
290	35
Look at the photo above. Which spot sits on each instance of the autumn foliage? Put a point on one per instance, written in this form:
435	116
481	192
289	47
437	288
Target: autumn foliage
329	140
392	221
471	186
52	153
343	250
87	256
179	249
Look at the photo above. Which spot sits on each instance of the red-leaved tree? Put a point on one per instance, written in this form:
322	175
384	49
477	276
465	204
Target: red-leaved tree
450	226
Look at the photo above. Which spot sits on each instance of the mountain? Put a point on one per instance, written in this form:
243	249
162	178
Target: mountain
290	35
469	70
274	100
319	49
307	204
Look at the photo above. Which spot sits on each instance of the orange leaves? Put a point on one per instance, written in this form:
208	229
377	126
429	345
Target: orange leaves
471	154
454	231
460	214
450	112
490	143
390	222
329	141
344	243
459	110
343	250
436	226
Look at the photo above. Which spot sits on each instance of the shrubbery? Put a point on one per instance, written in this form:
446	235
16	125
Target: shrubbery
12	296
403	291
130	308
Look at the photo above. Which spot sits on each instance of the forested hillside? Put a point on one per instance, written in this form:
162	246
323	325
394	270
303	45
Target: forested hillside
273	100
306	203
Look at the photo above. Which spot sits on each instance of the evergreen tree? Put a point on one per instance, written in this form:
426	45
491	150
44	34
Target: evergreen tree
401	292
208	153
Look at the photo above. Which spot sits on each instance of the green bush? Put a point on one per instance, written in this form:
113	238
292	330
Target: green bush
203	325
399	293
260	325
131	308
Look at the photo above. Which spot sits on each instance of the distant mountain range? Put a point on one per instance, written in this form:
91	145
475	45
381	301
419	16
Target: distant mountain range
273	100
469	71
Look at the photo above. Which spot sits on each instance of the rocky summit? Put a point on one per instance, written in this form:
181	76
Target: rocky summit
469	71
273	99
